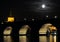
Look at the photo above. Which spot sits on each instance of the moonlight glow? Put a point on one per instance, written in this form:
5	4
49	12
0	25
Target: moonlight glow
43	6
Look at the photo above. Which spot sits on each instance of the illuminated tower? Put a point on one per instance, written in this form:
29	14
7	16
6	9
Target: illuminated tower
10	17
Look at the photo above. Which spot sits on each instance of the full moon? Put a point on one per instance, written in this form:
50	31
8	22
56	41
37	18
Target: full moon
43	6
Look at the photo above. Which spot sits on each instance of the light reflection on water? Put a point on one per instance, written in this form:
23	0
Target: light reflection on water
55	40
42	39
23	39
7	39
51	38
26	39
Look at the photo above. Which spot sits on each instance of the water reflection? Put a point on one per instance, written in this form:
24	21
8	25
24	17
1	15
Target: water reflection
55	39
42	39
7	39
23	39
51	38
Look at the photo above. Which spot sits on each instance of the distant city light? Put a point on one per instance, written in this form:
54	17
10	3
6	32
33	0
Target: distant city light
55	16
43	6
32	19
2	22
25	19
47	16
55	33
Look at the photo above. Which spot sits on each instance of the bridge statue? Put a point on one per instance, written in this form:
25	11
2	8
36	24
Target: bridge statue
7	31
24	30
47	28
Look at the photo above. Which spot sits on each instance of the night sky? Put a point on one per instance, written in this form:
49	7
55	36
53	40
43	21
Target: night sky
29	9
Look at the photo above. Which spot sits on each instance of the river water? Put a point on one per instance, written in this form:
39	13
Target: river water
50	38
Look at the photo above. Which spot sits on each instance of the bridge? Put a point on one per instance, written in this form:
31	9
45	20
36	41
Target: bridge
25	30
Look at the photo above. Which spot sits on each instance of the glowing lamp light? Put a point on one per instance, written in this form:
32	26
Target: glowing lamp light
10	19
32	19
53	28
43	6
55	17
47	16
25	19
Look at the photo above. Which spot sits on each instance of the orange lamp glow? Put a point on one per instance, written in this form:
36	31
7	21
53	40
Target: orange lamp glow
53	28
10	19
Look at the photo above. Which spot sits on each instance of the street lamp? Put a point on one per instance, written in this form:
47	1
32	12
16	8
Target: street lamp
47	16
55	16
25	19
